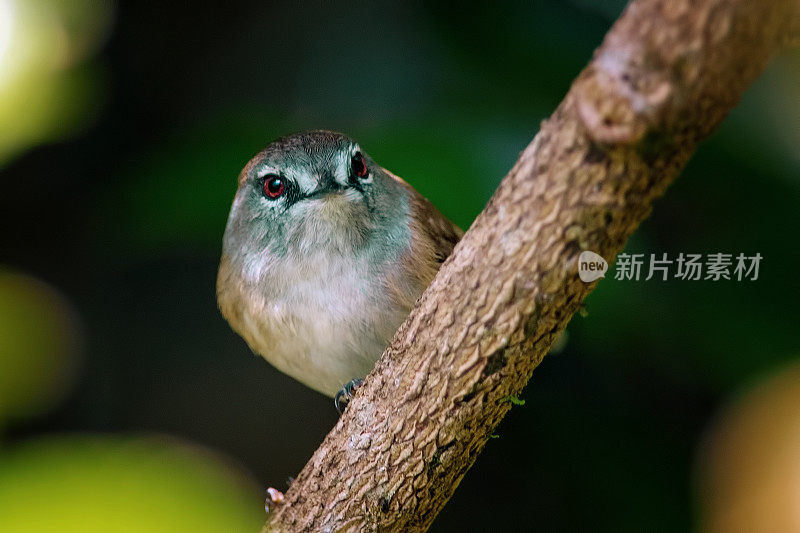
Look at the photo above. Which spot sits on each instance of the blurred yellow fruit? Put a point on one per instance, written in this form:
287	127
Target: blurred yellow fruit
749	467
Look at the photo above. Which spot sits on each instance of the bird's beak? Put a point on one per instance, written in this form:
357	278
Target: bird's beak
322	192
327	184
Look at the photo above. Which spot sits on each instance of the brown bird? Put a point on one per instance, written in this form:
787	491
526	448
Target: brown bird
324	255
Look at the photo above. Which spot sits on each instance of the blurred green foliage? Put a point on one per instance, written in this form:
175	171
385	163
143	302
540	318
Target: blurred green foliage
39	340
99	484
47	88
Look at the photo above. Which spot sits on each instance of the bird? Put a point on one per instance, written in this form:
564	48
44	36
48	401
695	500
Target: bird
324	255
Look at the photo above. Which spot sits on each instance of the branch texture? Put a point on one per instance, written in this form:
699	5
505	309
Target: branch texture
665	76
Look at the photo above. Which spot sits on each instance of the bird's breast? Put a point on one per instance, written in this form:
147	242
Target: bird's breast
323	322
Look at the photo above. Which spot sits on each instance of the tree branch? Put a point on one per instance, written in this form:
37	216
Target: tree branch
665	76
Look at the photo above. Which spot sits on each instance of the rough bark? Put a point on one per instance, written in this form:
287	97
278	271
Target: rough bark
665	76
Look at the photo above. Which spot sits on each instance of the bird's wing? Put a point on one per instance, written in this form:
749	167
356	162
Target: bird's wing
439	230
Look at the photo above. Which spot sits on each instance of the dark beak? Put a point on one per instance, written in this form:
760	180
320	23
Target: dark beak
327	184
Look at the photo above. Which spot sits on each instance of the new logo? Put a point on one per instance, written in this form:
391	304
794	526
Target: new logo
591	266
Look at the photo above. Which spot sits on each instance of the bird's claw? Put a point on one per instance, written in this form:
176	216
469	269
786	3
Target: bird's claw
345	394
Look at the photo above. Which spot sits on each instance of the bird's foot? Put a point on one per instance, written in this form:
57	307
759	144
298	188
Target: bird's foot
345	394
274	499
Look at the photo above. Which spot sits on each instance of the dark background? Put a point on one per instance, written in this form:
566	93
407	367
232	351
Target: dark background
124	217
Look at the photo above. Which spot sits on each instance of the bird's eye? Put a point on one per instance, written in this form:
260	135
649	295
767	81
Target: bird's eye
274	187
358	165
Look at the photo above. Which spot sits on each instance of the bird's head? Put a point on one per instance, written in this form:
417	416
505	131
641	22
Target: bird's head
310	194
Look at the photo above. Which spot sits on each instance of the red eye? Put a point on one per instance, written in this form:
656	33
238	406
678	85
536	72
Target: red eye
274	187
358	165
